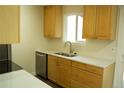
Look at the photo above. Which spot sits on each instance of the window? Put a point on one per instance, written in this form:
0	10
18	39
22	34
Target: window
74	28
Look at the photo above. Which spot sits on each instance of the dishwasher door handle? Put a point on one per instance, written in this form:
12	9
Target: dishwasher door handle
40	54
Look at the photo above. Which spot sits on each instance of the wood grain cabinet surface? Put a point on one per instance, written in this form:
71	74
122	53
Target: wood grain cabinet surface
9	24
63	72
72	74
85	75
53	21
100	22
52	68
86	78
89	22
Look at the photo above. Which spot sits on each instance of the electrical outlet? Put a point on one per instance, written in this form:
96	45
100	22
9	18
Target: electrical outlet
113	49
122	56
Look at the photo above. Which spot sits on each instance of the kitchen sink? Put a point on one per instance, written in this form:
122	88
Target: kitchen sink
66	54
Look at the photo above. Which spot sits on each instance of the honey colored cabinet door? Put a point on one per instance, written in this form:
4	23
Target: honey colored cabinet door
100	22
9	24
49	18
63	72
52	61
106	22
81	78
53	21
89	22
58	24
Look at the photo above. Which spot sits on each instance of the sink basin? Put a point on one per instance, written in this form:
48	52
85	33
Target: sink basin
65	54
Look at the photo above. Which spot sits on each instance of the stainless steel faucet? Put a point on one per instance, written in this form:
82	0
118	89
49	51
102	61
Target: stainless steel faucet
70	44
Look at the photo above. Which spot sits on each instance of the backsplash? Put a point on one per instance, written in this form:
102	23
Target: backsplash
95	48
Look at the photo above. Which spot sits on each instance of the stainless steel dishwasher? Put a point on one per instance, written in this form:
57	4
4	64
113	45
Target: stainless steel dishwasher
41	64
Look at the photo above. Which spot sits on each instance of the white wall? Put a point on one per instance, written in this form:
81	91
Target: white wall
120	50
31	31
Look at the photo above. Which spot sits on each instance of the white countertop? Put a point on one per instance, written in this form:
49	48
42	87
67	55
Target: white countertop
103	63
20	79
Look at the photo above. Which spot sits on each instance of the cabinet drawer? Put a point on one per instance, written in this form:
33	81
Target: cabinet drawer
90	68
86	78
63	62
94	69
79	65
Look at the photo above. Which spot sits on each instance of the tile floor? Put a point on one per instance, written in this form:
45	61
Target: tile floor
49	82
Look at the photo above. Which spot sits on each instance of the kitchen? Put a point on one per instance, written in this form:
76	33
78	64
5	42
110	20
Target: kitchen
31	38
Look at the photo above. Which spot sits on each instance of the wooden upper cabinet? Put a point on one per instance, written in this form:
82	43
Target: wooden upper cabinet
106	22
9	24
53	21
100	22
89	20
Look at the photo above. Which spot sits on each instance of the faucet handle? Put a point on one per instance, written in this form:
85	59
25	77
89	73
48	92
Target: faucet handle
72	50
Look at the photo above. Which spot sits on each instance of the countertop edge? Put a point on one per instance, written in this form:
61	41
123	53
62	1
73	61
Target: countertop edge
108	62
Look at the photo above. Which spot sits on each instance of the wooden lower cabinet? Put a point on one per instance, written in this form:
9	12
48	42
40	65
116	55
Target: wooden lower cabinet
52	60
92	76
63	72
72	74
85	78
59	70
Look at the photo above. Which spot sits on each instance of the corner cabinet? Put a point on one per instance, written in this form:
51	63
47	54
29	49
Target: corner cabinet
9	24
72	74
100	22
53	21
